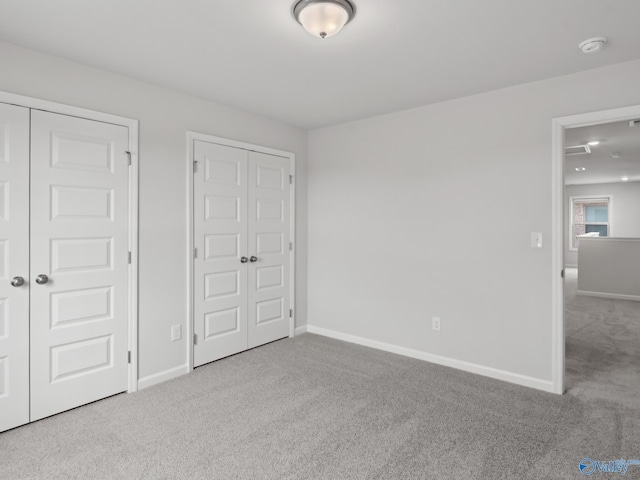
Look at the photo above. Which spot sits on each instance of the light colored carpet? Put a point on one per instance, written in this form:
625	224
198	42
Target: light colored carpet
602	347
317	408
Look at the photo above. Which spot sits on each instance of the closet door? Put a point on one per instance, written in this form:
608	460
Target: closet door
268	235
221	263
14	266
79	261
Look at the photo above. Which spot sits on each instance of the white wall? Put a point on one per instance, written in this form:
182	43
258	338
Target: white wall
429	212
625	221
164	117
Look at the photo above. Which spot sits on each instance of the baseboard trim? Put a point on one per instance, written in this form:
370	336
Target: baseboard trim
615	296
300	330
523	380
162	376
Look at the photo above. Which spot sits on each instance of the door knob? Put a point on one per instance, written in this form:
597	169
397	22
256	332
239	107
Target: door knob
244	259
17	281
42	279
253	259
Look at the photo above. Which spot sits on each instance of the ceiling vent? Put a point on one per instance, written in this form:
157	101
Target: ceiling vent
577	150
634	123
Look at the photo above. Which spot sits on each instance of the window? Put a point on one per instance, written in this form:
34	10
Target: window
589	217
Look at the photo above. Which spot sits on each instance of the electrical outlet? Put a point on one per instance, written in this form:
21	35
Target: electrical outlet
176	333
435	323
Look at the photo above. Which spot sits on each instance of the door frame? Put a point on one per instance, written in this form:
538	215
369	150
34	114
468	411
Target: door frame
132	125
191	138
558	219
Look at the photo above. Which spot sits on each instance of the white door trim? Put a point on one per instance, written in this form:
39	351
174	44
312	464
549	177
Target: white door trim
558	217
132	125
191	137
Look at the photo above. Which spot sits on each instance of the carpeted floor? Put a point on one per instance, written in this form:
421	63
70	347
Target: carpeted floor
317	408
602	347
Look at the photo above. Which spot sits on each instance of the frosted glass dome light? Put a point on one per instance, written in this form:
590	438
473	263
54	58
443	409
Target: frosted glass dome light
323	18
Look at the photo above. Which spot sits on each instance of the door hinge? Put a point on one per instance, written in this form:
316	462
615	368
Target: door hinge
195	339
129	257
129	156
290	246
291	313
195	166
195	253
291	179
129	357
562	273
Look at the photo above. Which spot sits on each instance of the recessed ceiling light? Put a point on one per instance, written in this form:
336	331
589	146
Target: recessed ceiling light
616	155
592	45
624	179
580	169
594	143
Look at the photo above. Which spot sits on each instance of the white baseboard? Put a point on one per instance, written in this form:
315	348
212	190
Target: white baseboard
301	330
162	376
537	383
615	296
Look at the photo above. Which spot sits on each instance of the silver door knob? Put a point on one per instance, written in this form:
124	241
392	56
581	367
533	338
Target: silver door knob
244	260
253	259
42	279
17	281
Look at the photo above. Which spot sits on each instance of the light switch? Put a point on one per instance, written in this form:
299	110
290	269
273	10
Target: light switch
536	240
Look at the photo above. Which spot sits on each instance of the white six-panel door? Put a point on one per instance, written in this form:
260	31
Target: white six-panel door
79	241
241	235
14	266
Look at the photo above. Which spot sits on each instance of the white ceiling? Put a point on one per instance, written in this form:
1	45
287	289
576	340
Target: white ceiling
395	54
615	137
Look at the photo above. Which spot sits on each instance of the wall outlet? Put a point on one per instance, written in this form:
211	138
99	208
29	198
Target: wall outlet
435	323
176	333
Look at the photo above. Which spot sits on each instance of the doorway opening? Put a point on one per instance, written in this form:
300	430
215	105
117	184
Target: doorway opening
596	248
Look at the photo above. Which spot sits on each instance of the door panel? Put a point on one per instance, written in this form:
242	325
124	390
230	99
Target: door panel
220	237
79	239
14	261
268	226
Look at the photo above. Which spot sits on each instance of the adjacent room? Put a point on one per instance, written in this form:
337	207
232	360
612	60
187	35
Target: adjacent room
319	239
602	254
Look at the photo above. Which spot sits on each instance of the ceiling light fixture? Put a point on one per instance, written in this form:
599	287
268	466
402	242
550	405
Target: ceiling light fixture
592	45
594	143
580	169
616	155
323	18
624	179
